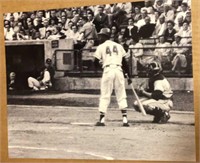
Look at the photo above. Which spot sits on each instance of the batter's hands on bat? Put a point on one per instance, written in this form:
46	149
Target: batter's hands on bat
128	78
129	81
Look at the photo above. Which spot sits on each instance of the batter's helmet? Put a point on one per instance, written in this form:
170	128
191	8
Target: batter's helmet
105	31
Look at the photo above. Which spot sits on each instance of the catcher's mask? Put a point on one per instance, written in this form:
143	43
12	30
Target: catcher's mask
153	69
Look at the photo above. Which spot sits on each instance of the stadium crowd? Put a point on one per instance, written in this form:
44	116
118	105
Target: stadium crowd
166	21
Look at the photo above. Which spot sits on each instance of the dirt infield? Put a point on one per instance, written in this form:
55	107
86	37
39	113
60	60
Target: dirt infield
69	133
183	100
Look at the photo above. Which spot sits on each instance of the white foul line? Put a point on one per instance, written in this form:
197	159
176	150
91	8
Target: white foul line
69	151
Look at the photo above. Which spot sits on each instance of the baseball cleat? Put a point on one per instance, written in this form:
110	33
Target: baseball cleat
164	118
125	125
100	124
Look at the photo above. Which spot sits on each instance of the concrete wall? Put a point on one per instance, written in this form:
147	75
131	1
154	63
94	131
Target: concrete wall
70	83
48	49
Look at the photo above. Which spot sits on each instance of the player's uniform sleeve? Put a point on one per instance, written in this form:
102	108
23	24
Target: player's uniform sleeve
158	85
158	90
46	77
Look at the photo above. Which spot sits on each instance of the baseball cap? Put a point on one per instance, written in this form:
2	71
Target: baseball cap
48	60
104	31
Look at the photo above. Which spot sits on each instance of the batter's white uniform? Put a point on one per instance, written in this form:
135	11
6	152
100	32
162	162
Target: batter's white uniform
110	54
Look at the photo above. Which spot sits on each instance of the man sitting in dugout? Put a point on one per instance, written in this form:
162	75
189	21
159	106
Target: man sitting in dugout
45	80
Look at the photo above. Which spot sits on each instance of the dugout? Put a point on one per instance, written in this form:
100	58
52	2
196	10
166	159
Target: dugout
27	58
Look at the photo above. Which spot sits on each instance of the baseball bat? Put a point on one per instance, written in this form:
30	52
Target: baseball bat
137	98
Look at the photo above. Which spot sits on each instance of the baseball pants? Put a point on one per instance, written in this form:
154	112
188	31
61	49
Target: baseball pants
112	78
150	104
32	82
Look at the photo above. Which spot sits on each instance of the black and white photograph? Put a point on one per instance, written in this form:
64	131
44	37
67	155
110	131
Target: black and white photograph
101	82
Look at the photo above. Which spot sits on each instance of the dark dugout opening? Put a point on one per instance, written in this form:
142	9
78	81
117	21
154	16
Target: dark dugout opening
25	61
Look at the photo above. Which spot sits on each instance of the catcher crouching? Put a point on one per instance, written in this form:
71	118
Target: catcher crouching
157	97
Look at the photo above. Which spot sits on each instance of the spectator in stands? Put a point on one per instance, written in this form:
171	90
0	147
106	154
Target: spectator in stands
38	24
52	24
40	15
75	18
152	16
188	19
146	30
12	21
147	6
179	24
30	31
176	6
122	31
44	81
163	52
53	17
168	13
32	15
23	19
88	31
131	30
20	26
101	19
114	33
64	20
63	30
158	6
141	22
88	35
179	61
182	13
21	35
122	42
47	34
8	31
36	35
119	18
135	55
137	15
169	32
75	35
57	34
69	29
29	20
43	29
185	33
125	6
160	26
90	17
110	8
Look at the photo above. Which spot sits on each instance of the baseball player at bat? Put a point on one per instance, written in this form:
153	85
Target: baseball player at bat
114	59
157	97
